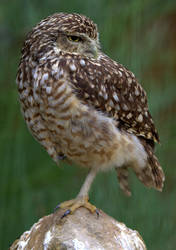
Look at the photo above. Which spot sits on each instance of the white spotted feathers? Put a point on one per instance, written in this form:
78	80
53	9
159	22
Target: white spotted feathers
77	101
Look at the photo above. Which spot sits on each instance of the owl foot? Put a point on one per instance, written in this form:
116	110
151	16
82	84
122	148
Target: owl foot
61	156
74	204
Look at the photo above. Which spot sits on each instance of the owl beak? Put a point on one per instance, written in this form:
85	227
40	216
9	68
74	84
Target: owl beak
92	50
95	51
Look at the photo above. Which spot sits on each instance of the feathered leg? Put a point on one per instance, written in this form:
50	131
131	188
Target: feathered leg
82	199
122	175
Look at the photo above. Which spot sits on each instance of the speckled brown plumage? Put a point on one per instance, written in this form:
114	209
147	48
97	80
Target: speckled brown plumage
79	103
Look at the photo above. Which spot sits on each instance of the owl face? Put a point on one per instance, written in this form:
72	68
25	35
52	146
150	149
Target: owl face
62	32
78	43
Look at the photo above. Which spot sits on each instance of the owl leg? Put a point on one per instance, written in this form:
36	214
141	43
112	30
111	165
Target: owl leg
122	175
82	199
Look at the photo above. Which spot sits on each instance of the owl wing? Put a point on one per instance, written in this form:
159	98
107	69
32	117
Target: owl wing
112	89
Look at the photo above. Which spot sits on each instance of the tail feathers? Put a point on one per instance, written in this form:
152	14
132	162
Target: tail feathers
152	175
122	175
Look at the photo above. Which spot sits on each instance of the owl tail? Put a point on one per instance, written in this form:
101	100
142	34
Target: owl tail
152	175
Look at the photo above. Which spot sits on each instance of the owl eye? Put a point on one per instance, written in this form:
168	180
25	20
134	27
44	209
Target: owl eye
74	38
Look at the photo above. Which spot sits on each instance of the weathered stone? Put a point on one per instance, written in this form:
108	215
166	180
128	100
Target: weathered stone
79	231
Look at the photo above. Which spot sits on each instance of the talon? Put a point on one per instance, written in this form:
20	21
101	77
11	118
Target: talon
61	156
77	203
66	213
97	212
58	206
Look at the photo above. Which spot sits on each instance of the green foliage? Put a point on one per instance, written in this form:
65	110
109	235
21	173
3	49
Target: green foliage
139	34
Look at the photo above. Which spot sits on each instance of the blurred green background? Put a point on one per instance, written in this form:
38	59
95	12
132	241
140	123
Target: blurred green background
141	34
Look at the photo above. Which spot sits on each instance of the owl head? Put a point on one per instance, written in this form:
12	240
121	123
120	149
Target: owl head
70	33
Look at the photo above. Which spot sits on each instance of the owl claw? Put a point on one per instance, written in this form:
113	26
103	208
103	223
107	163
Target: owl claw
58	206
74	204
66	213
61	157
97	212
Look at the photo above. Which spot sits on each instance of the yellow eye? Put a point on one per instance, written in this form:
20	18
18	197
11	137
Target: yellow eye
74	38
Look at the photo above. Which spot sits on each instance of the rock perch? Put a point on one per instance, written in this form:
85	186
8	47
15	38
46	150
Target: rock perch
79	231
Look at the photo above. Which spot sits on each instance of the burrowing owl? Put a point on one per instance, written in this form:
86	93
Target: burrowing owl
79	103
